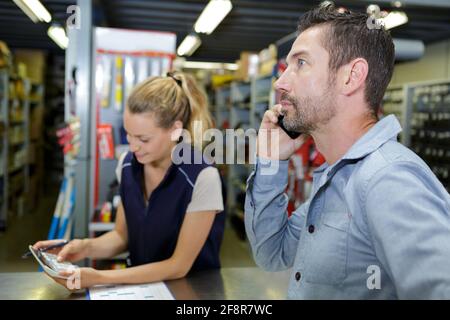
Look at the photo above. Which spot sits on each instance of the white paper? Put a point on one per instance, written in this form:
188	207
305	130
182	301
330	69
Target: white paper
149	291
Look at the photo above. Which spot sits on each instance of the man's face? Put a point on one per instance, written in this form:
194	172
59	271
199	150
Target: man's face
306	86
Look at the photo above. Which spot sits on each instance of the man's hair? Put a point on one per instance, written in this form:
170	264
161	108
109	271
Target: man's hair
348	37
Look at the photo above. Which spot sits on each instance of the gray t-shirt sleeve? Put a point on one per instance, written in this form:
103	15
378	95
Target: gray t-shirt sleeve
119	166
207	193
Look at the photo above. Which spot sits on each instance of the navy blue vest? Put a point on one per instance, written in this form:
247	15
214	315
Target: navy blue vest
153	227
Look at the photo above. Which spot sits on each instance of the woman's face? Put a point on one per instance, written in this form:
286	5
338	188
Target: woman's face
148	142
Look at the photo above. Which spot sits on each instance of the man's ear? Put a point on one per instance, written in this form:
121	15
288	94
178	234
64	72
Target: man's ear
353	76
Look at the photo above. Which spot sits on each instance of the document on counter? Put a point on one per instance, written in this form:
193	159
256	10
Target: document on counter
148	291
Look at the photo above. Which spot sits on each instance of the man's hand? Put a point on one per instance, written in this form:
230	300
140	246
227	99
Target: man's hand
273	142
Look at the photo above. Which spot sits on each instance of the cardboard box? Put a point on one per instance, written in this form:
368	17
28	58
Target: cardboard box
36	120
5	56
247	65
35	61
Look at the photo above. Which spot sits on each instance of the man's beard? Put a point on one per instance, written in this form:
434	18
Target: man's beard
309	112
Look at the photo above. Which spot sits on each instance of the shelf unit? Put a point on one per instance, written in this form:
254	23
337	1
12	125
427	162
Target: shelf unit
4	88
36	143
241	105
222	107
394	102
15	123
240	98
428	113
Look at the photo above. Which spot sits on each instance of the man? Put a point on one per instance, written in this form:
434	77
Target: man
376	225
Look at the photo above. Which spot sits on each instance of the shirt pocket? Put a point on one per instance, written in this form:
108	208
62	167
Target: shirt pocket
326	260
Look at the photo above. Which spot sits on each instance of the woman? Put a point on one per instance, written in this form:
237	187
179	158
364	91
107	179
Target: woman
168	219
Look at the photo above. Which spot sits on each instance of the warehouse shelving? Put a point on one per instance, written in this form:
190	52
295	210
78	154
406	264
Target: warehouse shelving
241	105
222	107
4	88
428	113
15	125
394	102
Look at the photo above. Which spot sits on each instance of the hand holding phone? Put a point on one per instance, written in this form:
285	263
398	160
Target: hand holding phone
291	134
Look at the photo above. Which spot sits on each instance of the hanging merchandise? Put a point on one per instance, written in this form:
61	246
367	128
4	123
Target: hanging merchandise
155	67
103	79
130	75
142	69
69	137
166	65
118	83
105	141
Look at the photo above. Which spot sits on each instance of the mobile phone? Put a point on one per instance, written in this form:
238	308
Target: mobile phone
291	134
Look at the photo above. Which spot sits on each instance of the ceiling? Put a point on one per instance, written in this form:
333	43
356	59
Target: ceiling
251	25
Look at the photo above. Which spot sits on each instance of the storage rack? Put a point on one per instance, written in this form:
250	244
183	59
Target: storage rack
15	144
241	105
4	87
394	102
428	112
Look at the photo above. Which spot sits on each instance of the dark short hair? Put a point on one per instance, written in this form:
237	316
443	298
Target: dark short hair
348	38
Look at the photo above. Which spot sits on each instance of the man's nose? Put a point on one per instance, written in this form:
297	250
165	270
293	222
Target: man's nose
282	83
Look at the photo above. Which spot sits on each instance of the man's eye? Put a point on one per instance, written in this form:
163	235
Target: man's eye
144	140
301	62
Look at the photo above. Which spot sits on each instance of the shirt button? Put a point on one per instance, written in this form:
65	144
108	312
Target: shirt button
298	276
311	229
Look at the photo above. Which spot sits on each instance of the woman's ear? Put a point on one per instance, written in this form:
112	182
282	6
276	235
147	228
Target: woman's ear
176	130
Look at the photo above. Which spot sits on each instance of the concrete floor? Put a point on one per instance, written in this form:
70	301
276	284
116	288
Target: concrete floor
34	226
23	231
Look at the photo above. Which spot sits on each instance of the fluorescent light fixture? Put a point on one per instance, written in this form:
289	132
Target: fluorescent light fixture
34	10
189	45
394	19
214	12
209	65
58	34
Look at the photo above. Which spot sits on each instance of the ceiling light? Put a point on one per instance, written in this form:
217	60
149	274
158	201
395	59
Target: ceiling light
214	12
189	45
58	34
209	65
397	4
394	19
34	10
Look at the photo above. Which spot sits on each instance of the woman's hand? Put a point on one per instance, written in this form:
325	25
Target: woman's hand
74	251
78	278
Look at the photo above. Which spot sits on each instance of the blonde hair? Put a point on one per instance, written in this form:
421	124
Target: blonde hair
171	98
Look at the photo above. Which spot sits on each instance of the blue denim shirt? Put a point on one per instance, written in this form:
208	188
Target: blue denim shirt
376	226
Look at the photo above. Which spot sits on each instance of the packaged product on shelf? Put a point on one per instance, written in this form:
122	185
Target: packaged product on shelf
106	141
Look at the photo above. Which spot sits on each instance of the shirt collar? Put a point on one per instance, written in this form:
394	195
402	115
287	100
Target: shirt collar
384	130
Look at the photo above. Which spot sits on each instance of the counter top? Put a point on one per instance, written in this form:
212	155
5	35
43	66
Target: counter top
220	284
